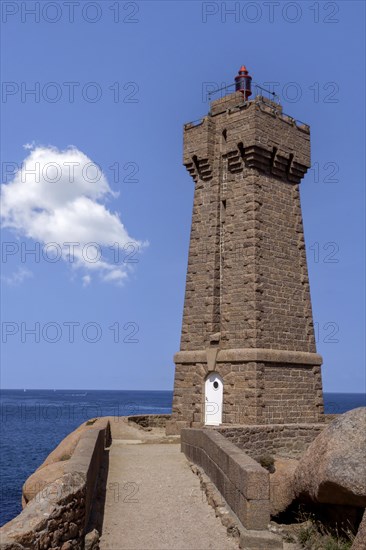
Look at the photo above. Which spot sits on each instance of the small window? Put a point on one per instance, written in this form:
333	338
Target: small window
215	385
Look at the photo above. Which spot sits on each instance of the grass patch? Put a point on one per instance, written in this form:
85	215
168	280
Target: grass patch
90	422
313	535
267	462
65	457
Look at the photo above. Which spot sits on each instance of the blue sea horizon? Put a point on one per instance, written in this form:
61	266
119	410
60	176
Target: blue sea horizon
33	422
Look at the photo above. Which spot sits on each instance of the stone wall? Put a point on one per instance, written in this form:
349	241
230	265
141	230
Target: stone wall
281	440
243	483
278	387
292	393
150	420
58	515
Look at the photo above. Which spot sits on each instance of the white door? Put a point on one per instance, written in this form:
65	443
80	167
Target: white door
213	399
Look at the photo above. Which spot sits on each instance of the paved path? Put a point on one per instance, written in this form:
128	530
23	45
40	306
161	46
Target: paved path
154	501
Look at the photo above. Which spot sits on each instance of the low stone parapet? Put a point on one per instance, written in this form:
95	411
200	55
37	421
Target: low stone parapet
58	514
150	420
286	440
243	483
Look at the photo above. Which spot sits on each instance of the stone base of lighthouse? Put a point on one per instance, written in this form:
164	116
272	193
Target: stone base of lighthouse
259	386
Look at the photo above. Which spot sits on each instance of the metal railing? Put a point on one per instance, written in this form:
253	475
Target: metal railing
254	84
258	97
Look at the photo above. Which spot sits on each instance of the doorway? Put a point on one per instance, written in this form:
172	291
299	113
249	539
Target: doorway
214	390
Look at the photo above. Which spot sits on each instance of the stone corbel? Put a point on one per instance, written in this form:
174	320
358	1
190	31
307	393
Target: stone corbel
211	354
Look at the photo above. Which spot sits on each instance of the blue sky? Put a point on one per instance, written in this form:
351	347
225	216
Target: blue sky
114	83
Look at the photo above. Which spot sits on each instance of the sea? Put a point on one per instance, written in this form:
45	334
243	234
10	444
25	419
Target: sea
33	422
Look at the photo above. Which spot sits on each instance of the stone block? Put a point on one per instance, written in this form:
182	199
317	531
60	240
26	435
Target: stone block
260	540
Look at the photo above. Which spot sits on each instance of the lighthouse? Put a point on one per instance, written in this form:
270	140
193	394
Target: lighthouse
247	352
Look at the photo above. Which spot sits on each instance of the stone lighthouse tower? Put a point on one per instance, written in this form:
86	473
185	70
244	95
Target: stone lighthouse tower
247	352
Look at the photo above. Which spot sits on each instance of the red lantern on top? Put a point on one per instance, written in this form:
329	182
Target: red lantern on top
243	82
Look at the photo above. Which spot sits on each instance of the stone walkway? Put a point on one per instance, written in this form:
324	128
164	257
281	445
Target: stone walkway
154	500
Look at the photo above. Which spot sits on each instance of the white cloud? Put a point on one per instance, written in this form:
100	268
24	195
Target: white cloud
58	197
17	277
